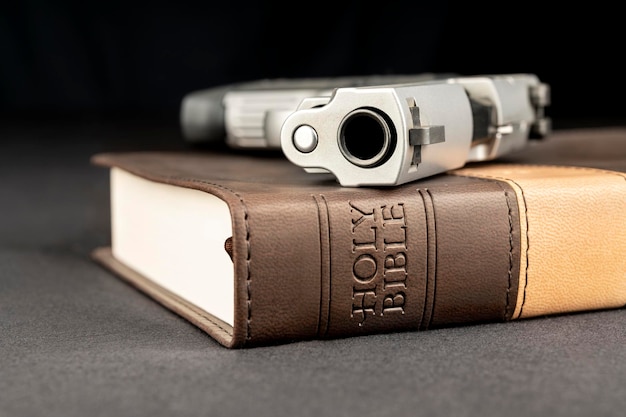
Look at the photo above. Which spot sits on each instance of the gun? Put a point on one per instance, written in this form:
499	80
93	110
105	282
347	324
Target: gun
391	134
250	114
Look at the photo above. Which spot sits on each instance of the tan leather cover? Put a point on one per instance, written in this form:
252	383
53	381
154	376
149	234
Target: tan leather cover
573	236
315	260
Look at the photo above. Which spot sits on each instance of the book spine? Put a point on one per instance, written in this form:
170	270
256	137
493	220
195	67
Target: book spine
439	255
368	261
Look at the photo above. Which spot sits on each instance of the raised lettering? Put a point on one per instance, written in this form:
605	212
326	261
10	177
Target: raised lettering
361	215
363	304
364	229
379	267
394	303
395	270
365	268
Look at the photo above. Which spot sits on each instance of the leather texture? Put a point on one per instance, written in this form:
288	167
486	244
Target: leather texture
316	260
573	236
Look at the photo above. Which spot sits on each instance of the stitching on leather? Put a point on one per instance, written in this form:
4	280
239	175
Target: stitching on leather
484	177
248	251
510	272
565	167
216	324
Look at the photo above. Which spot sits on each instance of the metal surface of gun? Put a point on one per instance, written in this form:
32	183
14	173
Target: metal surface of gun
392	134
238	113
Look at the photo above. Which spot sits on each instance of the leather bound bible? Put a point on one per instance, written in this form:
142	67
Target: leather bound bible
255	251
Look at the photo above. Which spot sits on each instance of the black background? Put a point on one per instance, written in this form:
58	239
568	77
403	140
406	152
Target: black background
105	59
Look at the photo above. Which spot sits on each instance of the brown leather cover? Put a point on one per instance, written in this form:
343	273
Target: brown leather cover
316	260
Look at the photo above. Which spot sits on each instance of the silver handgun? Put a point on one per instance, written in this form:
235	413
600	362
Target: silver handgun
250	114
392	134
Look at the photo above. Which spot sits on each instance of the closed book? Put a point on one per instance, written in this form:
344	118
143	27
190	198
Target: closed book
255	251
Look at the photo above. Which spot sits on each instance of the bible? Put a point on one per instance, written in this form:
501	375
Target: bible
255	251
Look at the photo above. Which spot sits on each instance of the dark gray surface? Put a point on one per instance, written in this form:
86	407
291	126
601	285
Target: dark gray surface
77	341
